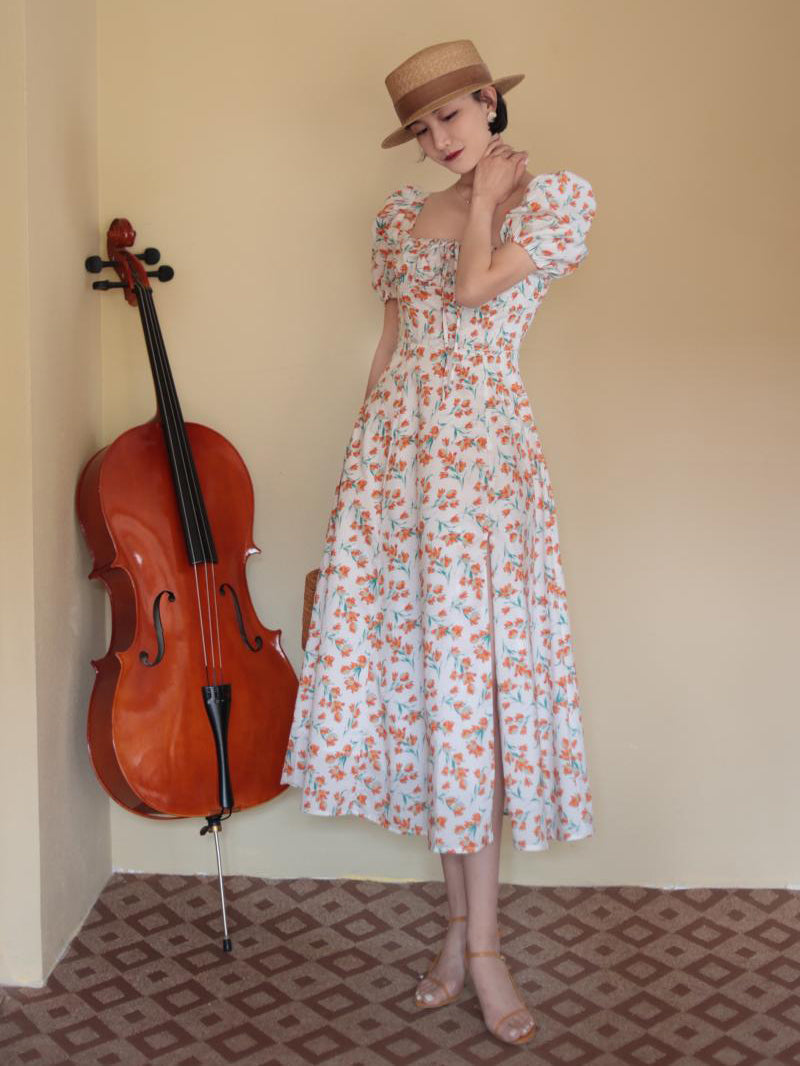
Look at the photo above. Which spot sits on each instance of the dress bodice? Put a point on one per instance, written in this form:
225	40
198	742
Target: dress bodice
551	223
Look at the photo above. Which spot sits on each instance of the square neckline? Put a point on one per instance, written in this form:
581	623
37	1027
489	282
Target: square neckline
420	203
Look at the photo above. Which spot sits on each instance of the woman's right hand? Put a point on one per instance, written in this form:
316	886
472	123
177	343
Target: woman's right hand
498	171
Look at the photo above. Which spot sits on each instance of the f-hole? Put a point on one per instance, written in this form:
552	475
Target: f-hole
158	627
259	643
499	777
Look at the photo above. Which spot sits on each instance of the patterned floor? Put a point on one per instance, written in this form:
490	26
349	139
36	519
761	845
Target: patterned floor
323	972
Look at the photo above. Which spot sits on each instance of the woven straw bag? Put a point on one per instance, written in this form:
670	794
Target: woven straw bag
308	603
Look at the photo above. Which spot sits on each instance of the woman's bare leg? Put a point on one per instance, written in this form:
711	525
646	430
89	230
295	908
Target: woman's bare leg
450	968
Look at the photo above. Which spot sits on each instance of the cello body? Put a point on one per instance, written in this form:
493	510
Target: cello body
192	703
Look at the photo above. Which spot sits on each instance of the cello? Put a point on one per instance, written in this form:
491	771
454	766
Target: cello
192	703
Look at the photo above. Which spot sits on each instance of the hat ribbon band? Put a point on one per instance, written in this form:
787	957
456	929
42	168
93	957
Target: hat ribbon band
436	88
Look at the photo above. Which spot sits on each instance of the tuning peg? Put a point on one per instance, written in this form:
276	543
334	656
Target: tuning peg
94	264
150	256
164	273
108	284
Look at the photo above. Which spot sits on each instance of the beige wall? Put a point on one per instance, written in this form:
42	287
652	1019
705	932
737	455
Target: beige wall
662	374
663	377
56	852
20	887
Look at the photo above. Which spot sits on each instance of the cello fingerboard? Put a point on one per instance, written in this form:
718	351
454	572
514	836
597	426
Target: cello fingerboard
188	493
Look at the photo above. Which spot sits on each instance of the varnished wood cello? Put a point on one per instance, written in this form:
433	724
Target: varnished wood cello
192	704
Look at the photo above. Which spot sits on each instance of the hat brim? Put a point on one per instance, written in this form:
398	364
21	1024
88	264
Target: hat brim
401	134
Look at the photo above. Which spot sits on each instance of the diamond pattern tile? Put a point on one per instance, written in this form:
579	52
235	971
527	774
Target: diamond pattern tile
324	972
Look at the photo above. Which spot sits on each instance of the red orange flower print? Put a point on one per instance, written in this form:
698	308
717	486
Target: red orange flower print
444	484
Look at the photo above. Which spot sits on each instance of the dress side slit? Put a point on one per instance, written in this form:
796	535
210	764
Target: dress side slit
498	743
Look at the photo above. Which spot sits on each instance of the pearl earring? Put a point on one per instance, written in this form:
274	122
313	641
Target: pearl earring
492	116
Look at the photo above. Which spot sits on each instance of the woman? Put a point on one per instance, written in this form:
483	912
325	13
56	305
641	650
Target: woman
438	689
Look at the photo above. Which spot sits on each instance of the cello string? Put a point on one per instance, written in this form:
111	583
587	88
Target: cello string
209	599
197	504
172	412
191	474
216	618
205	531
157	371
196	496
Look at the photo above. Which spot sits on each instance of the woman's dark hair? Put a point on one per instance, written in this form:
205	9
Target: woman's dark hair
501	120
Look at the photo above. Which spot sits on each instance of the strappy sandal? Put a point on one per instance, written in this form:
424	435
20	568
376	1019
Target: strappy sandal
523	1038
440	1002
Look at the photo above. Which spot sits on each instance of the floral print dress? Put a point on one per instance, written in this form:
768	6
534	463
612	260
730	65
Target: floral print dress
444	477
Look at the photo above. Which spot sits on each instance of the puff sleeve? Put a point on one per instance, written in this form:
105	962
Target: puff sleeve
386	232
552	222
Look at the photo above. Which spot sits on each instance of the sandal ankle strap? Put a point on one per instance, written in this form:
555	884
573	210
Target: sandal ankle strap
493	954
459	918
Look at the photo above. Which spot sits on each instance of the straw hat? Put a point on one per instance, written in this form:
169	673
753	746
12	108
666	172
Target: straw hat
435	75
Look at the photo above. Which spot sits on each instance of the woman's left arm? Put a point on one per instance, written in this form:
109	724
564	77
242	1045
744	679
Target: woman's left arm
483	273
